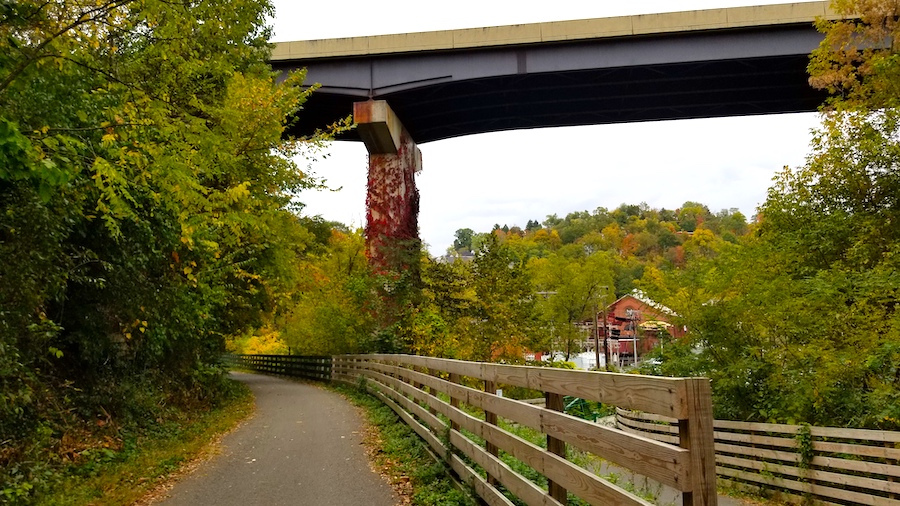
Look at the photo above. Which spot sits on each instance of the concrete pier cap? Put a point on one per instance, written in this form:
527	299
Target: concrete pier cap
378	126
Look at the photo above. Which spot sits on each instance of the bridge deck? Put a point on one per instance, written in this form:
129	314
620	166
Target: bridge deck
712	63
804	13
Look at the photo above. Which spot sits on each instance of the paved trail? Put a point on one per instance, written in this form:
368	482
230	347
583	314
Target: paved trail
302	447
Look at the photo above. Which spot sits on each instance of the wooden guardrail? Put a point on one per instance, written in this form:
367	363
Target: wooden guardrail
314	368
825	465
453	406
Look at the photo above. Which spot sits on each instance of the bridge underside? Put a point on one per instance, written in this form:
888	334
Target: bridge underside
449	95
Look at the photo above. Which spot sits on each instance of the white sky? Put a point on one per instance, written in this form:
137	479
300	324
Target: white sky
512	177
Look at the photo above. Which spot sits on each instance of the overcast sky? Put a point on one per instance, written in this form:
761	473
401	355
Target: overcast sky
512	177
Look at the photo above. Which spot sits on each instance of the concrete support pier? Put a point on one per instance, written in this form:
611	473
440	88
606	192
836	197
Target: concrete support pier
392	202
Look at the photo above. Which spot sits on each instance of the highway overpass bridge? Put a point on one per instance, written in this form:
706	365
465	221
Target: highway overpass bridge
420	87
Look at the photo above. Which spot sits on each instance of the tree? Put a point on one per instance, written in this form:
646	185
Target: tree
463	241
692	215
503	317
145	194
334	311
857	61
576	285
798	322
443	319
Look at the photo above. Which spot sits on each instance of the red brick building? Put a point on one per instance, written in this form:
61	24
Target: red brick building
634	318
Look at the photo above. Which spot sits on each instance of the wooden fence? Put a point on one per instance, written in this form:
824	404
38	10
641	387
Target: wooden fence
314	368
453	406
823	465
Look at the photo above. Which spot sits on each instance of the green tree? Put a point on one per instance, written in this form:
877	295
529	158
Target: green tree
575	285
445	315
691	215
502	324
799	321
144	203
334	311
463	241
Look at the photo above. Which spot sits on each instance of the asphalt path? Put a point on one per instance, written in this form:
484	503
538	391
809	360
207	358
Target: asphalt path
302	447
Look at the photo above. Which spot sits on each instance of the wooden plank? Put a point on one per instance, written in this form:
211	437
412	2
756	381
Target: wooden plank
460	367
829	432
517	484
467	475
759	453
665	396
861	466
808	488
648	426
420	429
647	417
696	434
659	461
584	484
396	391
787	497
858	450
817	475
756	439
663	438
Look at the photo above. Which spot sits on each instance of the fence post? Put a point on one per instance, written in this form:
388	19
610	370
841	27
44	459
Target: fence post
696	434
893	462
491	418
431	391
554	401
454	378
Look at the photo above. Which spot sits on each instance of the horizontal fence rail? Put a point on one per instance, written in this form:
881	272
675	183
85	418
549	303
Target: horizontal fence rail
824	465
314	368
455	407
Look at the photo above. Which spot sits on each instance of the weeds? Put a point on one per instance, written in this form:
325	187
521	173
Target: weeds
124	461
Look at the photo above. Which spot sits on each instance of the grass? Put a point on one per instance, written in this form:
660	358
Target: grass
400	453
126	473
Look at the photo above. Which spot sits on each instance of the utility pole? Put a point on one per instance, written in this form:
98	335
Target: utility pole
635	317
606	336
596	339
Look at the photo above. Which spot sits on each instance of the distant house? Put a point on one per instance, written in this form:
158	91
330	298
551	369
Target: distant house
635	320
451	257
632	319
